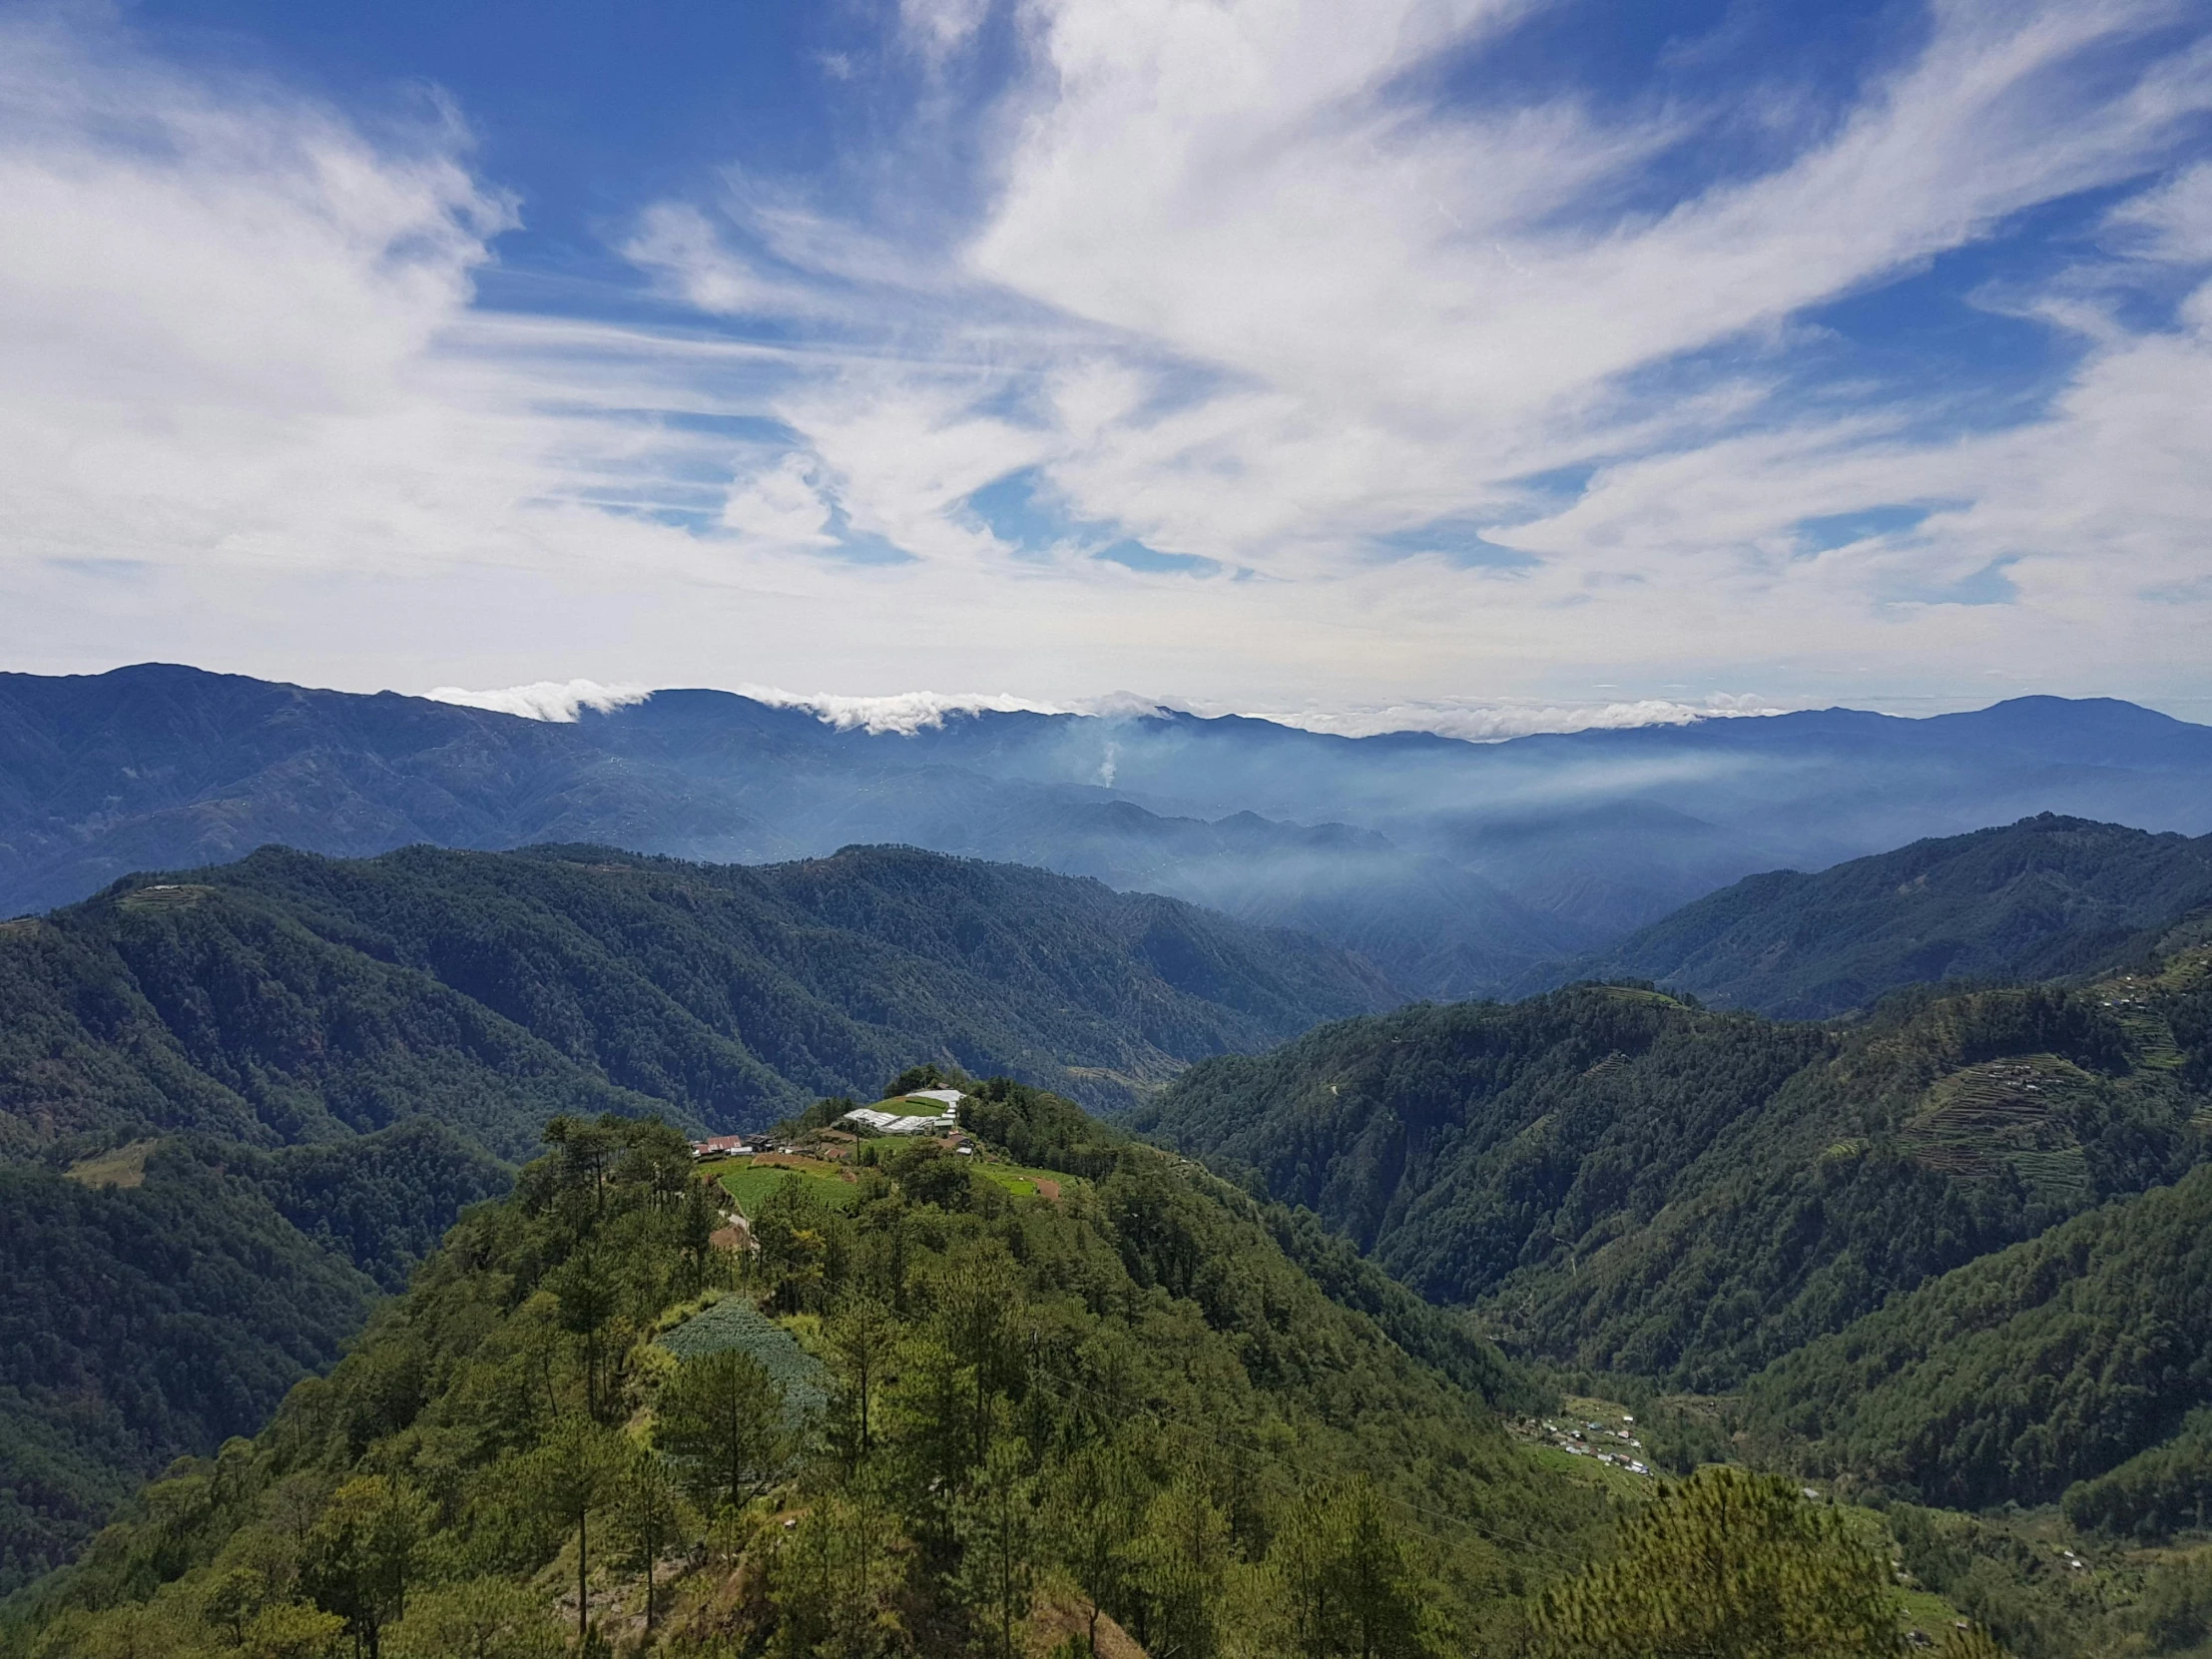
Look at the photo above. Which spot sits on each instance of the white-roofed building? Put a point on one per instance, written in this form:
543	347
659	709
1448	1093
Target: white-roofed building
892	1123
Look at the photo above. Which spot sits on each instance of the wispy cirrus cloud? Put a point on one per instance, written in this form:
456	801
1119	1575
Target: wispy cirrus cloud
1307	315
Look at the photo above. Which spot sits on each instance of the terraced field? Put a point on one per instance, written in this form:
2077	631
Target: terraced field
2005	1113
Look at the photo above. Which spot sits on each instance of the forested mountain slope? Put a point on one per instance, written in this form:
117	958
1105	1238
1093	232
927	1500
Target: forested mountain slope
289	997
2036	899
1617	1179
167	1299
2020	1373
2047	1364
341	1009
160	766
1121	1405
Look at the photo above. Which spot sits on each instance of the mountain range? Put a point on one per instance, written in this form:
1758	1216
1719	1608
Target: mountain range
1457	867
1617	1180
1881	1163
1951	1253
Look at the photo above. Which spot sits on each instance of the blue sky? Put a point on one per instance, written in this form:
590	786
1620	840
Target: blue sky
1479	364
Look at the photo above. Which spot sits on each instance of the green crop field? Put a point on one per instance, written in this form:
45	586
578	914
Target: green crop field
1022	1181
750	1184
1013	1179
736	1323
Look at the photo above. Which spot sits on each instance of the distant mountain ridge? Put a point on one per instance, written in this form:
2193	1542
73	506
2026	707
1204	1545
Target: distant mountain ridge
2036	899
1459	868
291	998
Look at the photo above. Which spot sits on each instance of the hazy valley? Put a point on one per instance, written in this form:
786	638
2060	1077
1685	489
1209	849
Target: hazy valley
1884	1173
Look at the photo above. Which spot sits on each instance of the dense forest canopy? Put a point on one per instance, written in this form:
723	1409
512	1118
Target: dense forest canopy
289	996
2036	899
307	1067
168	1302
1619	1178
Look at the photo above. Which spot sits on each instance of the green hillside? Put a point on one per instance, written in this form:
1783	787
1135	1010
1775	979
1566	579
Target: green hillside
289	997
342	1009
148	1319
2067	1358
1124	1409
2036	899
1619	1180
2011	1377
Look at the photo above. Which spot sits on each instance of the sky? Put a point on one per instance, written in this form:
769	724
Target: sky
1481	364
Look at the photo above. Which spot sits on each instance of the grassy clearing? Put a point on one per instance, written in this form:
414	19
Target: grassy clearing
1018	1181
124	1167
165	896
1589	1472
1027	1183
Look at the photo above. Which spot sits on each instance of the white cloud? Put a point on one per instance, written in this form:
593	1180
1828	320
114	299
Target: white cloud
781	506
903	712
939	28
560	702
1393	313
2175	220
679	245
1495	722
1419	310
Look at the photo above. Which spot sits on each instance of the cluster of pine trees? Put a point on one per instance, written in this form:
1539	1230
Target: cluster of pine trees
938	1418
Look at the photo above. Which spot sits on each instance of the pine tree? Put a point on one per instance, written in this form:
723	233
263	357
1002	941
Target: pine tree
585	1285
1181	1564
996	1523
1727	1565
1347	1576
722	1418
361	1554
1091	1516
576	1470
650	1511
863	1334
